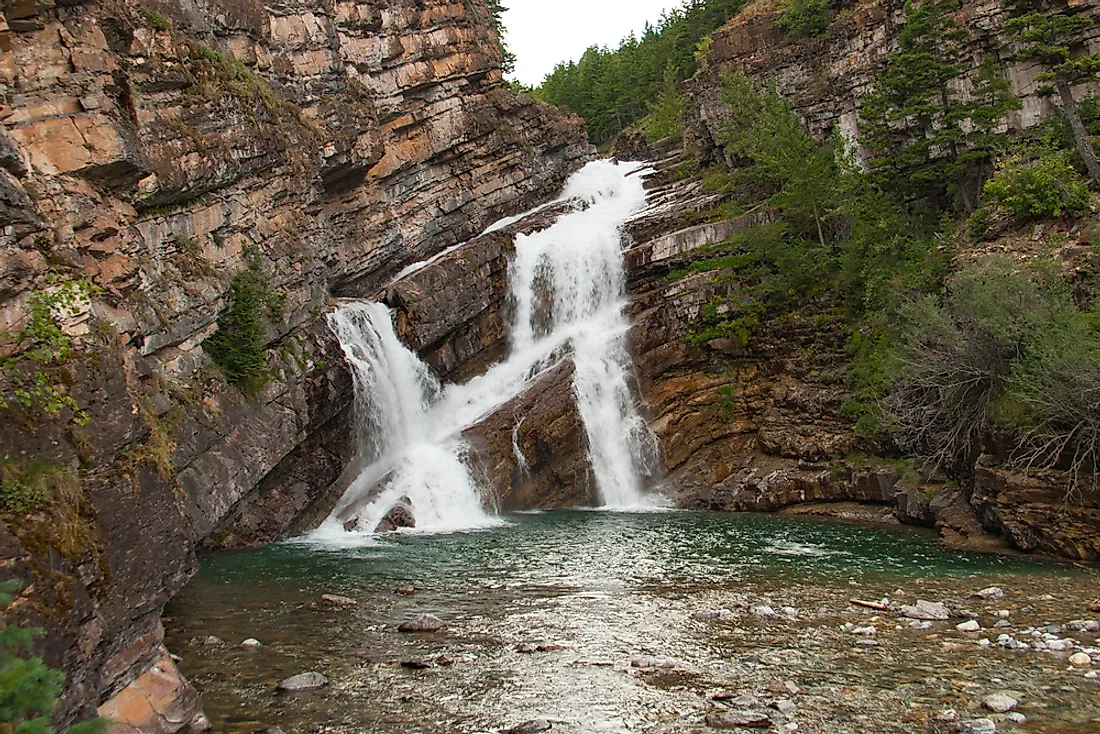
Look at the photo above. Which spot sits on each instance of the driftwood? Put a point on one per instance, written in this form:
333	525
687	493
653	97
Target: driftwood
870	604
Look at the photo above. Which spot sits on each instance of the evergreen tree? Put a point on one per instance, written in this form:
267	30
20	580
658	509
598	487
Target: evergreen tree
28	688
508	59
1043	34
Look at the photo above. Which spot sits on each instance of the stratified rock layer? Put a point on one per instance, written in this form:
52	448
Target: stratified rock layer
154	150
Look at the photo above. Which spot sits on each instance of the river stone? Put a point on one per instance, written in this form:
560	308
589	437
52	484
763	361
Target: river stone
737	700
251	642
1015	717
968	626
1095	606
999	702
422	623
333	602
1080	659
763	610
738	718
303	682
977	726
416	664
650	662
207	641
926	610
993	592
529	727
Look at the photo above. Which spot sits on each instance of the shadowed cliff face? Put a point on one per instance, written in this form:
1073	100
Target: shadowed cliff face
151	151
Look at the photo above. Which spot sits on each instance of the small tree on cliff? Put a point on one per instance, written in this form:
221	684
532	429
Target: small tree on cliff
28	688
508	59
1043	37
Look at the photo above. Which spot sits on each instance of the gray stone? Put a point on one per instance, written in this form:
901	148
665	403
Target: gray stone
652	662
968	626
334	602
763	610
303	682
529	727
1015	718
422	623
736	718
999	702
251	642
926	610
977	726
993	592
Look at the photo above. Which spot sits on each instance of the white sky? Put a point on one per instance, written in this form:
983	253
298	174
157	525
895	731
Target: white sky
542	33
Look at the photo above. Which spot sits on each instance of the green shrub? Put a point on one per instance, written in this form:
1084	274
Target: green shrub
28	687
803	18
157	21
1043	187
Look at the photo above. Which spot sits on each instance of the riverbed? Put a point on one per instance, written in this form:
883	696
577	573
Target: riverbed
618	622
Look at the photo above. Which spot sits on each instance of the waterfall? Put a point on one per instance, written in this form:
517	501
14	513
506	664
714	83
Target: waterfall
567	285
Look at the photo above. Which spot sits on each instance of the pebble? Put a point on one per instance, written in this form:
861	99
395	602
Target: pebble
763	610
405	590
977	726
947	716
207	641
916	624
926	610
999	702
1003	623
740	700
1095	606
993	592
251	642
984	642
529	727
1046	597
738	718
785	706
784	686
416	664
1083	625
968	626
867	643
422	623
1015	717
709	614
1004	613
1091	674
866	630
303	682
1060	645
1051	629
1080	659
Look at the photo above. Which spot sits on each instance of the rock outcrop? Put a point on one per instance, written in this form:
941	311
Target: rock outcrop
152	151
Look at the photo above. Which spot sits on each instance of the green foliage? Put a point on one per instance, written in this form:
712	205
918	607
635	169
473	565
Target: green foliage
1041	187
157	21
508	59
666	112
237	347
802	18
1005	348
923	137
613	89
34	374
28	687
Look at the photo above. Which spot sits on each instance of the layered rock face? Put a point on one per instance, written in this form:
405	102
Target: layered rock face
824	77
149	153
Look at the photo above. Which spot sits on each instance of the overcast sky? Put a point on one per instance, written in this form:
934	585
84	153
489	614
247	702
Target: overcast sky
542	33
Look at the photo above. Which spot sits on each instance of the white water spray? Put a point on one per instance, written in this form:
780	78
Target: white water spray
568	287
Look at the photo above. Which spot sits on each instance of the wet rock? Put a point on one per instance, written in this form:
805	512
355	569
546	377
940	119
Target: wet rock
1095	606
529	727
422	623
334	602
865	630
784	687
207	641
968	626
948	716
1050	629
867	643
710	614
1004	613
199	724
977	726
737	700
399	516
416	664
762	610
926	610
1080	659
785	706
993	592
738	718
405	590
526	648
251	642
1002	623
999	703
919	625
303	682
549	647
1015	718
651	662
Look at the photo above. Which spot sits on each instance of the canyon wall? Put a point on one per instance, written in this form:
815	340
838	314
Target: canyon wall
151	152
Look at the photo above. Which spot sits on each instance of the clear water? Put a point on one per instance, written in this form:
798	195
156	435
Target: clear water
611	588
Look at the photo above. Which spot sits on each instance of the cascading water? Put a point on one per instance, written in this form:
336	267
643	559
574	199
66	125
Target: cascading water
568	288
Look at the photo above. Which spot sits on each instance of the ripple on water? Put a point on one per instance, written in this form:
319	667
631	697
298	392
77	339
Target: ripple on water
610	588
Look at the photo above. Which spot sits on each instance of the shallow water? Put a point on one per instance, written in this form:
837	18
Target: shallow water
611	588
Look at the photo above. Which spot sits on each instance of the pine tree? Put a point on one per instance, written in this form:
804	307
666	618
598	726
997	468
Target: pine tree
28	688
1043	35
496	12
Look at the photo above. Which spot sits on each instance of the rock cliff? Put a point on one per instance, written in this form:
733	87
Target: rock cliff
149	153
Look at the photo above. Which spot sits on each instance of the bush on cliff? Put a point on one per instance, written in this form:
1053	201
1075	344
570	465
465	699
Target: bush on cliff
28	687
1043	186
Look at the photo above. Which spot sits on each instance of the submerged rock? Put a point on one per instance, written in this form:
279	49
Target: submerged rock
993	592
207	641
529	727
738	718
422	623
977	726
334	602
416	664
303	682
